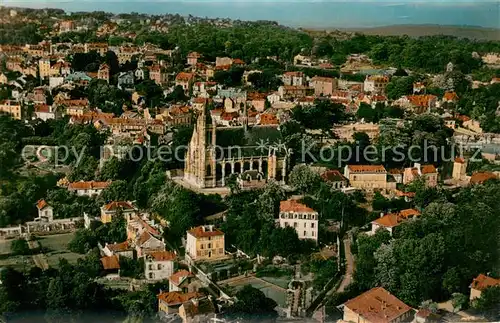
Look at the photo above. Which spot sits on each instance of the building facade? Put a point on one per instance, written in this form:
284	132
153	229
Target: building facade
205	243
215	153
299	216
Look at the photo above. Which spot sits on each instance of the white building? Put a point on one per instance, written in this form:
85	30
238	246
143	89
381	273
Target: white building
300	217
375	83
45	211
159	265
87	188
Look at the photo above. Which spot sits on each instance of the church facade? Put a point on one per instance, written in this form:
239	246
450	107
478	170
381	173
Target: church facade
253	154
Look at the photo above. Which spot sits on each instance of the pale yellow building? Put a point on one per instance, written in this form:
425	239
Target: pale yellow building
368	177
11	107
205	243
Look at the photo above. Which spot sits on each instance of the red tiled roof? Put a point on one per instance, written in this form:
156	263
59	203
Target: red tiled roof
41	204
428	169
44	108
176	298
183	76
408	213
179	276
389	220
481	177
366	168
450	96
421	100
88	185
482	282
460	160
333	175
162	255
117	247
268	119
110	263
201	231
112	206
238	61
377	305
294	206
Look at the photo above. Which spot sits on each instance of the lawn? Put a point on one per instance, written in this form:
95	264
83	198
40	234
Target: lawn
56	246
17	262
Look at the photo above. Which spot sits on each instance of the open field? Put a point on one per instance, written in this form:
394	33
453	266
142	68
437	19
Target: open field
276	293
17	262
56	247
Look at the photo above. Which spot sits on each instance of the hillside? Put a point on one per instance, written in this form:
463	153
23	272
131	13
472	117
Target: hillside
471	32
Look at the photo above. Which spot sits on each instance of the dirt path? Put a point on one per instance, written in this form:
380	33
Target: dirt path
39	259
350	267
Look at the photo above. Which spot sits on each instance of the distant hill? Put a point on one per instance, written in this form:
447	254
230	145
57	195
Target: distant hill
471	32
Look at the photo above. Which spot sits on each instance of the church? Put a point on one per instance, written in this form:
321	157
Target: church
254	154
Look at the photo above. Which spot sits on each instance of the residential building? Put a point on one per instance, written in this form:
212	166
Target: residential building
144	236
192	58
100	48
11	107
66	26
450	97
428	173
90	189
288	92
45	112
125	80
197	310
392	220
482	177
45	211
417	104
180	280
323	86
335	178
169	303
44	68
109	210
159	265
299	216
418	88
368	177
294	78
3	79
480	283
158	74
223	61
302	60
111	266
376	306
185	80
122	249
375	83
103	72
205	243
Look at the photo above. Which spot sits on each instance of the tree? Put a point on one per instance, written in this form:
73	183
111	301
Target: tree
251	303
459	301
399	86
303	179
177	95
20	247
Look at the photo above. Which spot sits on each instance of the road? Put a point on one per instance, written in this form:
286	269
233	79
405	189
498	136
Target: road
346	281
38	259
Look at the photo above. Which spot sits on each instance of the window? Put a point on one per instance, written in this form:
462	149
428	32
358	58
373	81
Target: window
295	224
305	234
159	266
150	267
209	246
312	225
312	233
202	246
305	224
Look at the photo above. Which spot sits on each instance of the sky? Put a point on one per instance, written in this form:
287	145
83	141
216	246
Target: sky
309	13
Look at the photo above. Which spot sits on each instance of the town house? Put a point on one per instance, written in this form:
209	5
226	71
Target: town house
109	210
185	80
376	306
299	216
323	86
294	78
375	83
429	174
180	281
88	188
335	178
392	220
169	303
122	249
11	107
205	243
368	177
480	283
159	265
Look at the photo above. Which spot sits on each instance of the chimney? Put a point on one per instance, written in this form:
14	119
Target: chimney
381	214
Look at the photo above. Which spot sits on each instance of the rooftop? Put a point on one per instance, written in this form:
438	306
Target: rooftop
205	231
110	263
366	168
162	255
378	305
482	282
294	206
176	298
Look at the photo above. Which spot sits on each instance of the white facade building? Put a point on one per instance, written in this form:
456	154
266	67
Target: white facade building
300	217
159	265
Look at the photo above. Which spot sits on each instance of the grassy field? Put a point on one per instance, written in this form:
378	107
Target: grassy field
56	247
17	262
